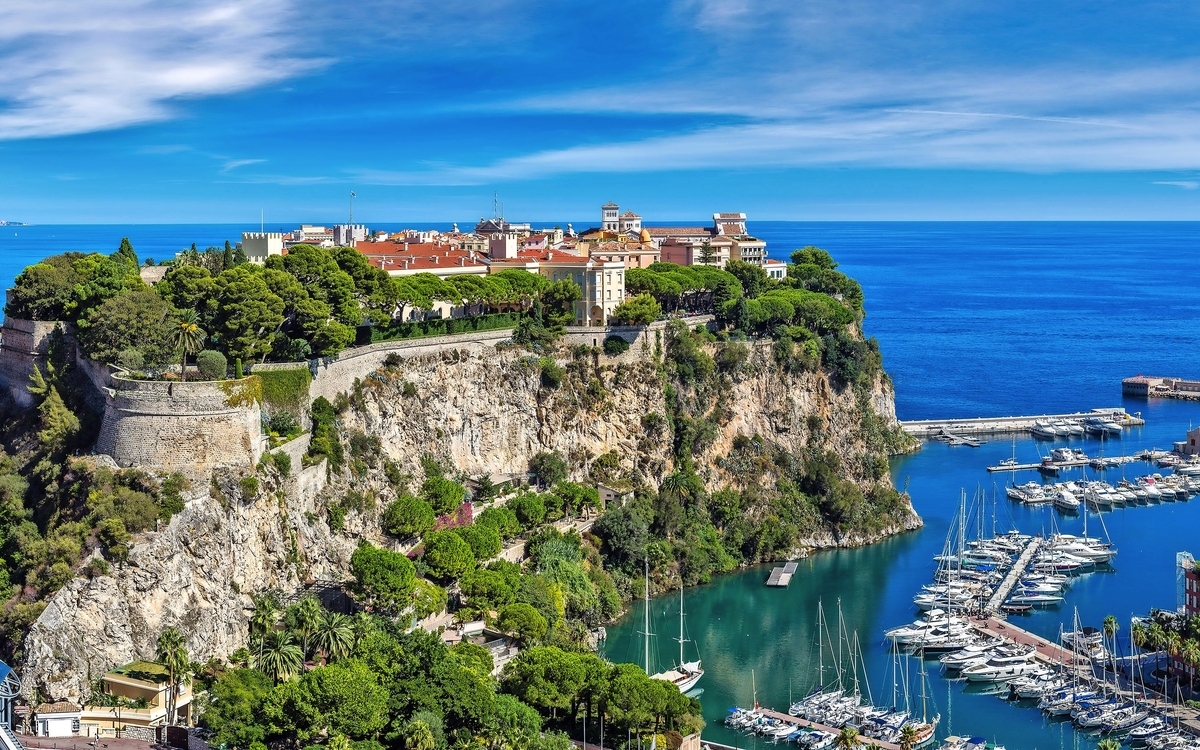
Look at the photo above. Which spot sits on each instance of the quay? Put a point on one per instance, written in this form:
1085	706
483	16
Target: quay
1075	463
1045	651
782	576
1006	586
1148	386
931	428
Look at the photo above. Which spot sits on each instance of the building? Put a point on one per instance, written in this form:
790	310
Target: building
502	245
258	246
727	230
716	252
60	719
349	235
610	219
1191	443
491	226
601	281
142	688
776	269
309	234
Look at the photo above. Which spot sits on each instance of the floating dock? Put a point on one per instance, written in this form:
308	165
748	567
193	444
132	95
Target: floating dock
1018	569
932	428
782	575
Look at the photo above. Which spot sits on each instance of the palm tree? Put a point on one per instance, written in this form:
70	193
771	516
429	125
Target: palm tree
171	651
847	739
1189	653
188	337
264	617
339	741
333	636
418	736
908	737
281	657
308	614
1108	743
361	625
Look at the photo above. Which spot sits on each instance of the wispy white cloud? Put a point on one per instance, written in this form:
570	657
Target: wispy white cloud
1185	184
233	164
75	67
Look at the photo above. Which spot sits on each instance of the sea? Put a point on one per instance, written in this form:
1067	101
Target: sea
974	319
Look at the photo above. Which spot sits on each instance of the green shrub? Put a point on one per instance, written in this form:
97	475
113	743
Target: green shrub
614	345
410	389
212	364
283	463
552	373
249	487
397	330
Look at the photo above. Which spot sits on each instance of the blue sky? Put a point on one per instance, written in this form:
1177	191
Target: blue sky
210	110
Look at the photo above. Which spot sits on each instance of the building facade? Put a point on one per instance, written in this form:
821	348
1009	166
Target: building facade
258	246
349	235
139	693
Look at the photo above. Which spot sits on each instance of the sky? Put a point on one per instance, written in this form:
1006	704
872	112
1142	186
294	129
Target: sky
165	111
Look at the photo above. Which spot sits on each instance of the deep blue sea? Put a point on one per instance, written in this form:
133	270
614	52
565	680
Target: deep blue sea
974	319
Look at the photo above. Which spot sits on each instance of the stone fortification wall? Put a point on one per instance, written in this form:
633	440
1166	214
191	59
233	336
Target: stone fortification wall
335	375
185	427
23	343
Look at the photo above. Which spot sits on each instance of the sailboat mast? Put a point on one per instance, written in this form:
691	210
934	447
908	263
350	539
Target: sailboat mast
646	631
681	623
820	647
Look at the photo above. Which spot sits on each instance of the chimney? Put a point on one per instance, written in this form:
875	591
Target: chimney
406	264
435	260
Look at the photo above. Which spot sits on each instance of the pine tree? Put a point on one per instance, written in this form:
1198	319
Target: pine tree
228	260
126	255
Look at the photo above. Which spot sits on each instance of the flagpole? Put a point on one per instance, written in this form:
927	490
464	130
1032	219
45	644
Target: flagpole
352	209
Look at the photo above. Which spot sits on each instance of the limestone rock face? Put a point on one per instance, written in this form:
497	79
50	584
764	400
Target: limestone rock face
484	411
195	574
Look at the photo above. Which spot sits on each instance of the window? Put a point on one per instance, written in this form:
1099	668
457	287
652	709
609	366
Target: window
609	294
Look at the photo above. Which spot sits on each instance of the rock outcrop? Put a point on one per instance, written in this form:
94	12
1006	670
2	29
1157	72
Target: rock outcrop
482	410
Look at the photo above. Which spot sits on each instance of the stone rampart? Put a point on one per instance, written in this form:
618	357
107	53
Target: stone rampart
335	375
23	343
191	427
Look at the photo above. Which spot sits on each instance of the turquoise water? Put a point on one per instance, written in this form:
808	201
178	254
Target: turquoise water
738	625
974	319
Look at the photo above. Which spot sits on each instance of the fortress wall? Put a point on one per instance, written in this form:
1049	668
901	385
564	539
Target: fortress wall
22	344
186	427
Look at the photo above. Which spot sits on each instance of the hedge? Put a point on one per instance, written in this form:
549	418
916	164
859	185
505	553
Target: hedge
436	327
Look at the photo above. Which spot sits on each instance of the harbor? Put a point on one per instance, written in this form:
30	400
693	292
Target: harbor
1100	421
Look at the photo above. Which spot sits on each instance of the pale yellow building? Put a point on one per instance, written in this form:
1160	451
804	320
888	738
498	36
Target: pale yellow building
145	688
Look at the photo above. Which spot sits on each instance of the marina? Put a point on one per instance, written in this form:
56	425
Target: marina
1097	421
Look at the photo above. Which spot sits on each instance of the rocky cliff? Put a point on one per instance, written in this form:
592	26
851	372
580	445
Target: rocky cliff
484	411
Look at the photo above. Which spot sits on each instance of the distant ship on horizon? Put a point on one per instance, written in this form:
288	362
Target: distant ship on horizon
4	223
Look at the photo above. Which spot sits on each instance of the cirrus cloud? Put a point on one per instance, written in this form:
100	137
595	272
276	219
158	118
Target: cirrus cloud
73	67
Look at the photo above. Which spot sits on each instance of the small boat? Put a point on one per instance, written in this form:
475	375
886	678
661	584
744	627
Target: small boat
1016	609
1043	430
1065	501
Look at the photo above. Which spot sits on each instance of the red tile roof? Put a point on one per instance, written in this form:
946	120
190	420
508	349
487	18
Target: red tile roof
673	231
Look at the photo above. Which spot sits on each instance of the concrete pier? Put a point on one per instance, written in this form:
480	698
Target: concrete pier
928	428
1014	575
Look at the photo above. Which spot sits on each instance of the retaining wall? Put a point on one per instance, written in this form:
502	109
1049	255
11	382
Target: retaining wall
186	427
22	344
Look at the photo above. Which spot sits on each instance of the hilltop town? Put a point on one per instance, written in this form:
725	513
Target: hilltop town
285	457
594	258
